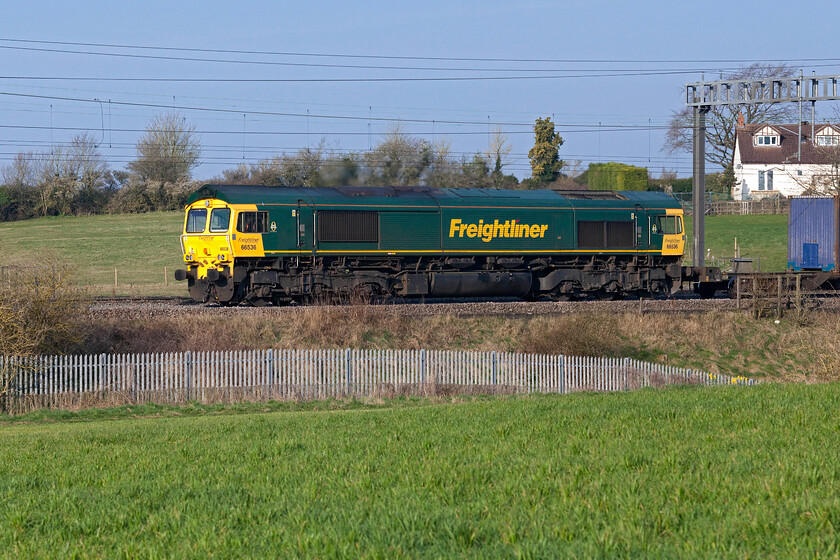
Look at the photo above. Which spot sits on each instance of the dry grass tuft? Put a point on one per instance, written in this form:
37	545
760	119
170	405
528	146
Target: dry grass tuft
575	335
727	343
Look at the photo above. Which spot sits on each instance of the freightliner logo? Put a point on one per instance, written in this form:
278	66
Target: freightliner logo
489	231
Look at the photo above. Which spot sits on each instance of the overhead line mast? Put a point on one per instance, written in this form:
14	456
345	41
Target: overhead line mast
702	96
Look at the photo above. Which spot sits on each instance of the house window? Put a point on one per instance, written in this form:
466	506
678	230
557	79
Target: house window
826	140
761	180
766	140
770	180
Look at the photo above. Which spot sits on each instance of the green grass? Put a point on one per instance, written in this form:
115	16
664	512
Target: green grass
762	238
689	472
139	246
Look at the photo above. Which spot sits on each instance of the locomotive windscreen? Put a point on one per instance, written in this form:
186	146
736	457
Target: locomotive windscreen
606	235
341	226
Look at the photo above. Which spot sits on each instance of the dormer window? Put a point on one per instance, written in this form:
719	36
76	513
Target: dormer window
826	140
766	140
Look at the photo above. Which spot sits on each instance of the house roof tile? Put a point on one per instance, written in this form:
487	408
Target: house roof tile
786	151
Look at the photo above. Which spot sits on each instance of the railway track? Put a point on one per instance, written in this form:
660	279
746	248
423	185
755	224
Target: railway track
163	306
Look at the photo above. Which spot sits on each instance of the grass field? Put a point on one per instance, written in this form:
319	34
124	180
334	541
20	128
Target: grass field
762	238
140	246
696	473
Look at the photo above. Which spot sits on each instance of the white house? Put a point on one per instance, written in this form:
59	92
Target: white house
774	160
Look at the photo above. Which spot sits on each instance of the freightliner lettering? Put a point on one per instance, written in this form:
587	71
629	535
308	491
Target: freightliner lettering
489	231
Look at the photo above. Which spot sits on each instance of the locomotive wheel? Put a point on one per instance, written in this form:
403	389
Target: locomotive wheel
604	295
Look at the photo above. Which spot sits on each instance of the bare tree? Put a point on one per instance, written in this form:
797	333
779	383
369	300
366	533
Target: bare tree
498	154
23	172
823	178
721	121
443	172
168	151
240	175
71	177
89	170
568	181
297	170
399	159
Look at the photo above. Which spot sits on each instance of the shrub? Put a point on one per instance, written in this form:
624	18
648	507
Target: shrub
39	314
614	176
40	309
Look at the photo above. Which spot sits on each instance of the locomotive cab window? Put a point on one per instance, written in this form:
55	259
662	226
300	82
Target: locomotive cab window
220	219
668	225
196	220
252	222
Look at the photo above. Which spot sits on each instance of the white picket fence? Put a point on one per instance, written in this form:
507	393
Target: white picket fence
206	377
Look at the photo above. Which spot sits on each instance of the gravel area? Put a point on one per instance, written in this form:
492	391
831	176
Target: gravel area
147	307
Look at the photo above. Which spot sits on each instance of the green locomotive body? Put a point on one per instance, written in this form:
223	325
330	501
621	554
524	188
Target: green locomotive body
272	245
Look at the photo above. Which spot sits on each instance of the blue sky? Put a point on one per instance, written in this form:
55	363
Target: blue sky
622	69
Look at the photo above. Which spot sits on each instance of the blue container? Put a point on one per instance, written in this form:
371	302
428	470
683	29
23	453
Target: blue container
813	240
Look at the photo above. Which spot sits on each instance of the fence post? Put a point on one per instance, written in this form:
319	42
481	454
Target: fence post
103	372
561	363
269	356
188	371
348	367
495	366
423	366
625	370
4	376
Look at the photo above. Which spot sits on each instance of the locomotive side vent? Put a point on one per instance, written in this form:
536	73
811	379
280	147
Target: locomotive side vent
342	226
620	235
606	235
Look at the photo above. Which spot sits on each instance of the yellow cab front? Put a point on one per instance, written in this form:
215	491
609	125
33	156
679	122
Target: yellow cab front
206	246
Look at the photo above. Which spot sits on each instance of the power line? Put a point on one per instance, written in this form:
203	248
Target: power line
324	65
365	107
613	74
585	129
567	127
426	58
171	107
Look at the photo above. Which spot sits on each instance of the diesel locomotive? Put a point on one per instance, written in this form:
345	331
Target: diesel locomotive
272	245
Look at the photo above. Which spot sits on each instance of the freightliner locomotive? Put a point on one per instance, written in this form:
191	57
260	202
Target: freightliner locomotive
272	245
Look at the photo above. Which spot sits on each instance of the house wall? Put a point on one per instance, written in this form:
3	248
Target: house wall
788	179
